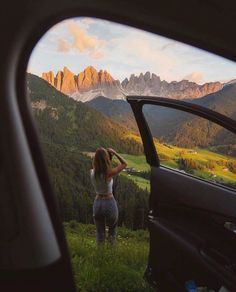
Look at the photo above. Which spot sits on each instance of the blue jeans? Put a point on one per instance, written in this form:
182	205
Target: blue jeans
105	212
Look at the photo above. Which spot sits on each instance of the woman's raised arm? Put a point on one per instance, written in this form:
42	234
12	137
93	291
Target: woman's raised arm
123	163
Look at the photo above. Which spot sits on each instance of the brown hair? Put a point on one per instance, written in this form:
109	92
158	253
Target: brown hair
101	163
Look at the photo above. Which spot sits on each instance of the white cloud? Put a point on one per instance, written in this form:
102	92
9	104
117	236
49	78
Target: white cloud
63	45
97	55
79	39
195	77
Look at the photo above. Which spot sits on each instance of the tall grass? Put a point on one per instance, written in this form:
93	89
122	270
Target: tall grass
119	267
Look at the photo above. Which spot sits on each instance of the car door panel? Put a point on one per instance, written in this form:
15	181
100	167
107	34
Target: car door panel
192	225
191	220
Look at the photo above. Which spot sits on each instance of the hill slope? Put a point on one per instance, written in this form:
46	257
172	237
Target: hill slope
64	121
118	110
187	130
174	126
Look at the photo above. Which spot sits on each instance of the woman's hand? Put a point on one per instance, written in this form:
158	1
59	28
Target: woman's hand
112	151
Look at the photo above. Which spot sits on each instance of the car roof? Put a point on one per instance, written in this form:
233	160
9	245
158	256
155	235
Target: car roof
208	24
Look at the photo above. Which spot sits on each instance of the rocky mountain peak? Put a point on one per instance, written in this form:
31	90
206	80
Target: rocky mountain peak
49	77
105	77
90	72
66	70
151	84
147	76
101	83
91	83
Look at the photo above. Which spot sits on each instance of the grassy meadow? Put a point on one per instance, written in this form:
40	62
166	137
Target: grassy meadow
108	268
140	181
206	164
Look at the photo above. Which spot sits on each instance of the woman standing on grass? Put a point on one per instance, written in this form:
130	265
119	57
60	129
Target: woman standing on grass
105	211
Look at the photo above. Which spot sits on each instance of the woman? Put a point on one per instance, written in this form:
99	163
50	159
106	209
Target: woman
105	209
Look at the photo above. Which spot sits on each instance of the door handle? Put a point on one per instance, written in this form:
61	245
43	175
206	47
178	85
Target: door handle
230	226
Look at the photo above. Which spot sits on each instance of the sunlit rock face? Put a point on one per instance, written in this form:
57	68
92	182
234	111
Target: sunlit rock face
91	83
86	85
49	77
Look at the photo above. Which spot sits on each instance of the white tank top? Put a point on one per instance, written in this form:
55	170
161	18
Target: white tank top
100	185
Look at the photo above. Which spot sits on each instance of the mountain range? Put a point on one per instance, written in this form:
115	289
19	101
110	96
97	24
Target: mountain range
91	83
167	125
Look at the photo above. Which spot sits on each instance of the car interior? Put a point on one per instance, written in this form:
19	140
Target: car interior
191	221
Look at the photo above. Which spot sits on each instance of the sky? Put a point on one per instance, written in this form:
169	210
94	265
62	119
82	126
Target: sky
121	50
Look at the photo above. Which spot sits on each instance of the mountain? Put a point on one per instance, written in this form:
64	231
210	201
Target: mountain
177	127
230	82
150	84
90	84
86	85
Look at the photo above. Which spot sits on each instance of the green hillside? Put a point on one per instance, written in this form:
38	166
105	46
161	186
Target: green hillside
62	120
117	110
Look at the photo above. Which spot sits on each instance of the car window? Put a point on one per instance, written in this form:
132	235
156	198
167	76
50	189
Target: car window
78	78
192	144
88	58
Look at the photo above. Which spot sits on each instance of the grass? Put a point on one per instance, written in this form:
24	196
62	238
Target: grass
202	156
140	181
137	161
108	268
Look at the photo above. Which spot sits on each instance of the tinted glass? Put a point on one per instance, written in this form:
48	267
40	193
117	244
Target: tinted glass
193	145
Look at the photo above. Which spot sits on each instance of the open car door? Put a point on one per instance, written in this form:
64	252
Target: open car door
192	221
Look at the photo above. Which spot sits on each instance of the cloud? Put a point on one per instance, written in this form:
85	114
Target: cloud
195	77
97	55
79	39
139	50
63	45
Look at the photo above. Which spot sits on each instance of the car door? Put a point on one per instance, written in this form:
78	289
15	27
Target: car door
191	220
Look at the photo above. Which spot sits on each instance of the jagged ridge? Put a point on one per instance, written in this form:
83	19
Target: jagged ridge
90	84
78	85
